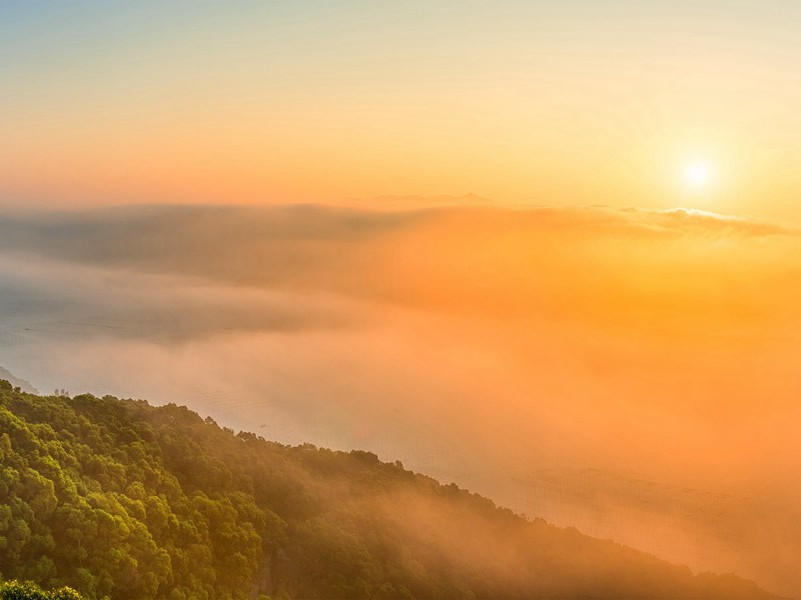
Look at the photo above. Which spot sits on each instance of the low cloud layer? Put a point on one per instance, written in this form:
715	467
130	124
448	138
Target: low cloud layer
631	372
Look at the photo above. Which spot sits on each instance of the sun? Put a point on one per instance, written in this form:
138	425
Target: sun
697	174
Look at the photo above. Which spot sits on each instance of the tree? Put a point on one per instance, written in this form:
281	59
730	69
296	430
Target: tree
14	590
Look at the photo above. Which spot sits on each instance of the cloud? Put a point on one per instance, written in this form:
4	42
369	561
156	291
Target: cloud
475	259
52	300
699	221
477	344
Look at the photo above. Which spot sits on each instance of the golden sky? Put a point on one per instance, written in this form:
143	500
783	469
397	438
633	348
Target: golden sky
572	102
620	355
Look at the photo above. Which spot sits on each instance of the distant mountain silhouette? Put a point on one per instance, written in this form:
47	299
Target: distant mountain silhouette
418	202
25	386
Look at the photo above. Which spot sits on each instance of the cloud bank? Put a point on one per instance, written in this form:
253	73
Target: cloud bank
628	372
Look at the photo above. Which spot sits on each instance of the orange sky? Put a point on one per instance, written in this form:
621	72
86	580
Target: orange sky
547	103
629	367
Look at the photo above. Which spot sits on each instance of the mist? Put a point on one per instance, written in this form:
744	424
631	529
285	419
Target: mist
631	373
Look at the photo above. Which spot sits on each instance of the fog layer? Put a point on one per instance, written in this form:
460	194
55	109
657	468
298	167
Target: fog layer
631	373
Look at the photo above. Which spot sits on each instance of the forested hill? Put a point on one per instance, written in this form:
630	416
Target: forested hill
20	383
120	499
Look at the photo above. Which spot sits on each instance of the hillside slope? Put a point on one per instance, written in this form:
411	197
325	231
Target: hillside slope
25	386
120	499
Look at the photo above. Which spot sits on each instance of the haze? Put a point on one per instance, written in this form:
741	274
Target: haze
456	235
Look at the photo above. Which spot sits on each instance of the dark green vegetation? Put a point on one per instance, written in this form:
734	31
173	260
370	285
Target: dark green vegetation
13	590
120	499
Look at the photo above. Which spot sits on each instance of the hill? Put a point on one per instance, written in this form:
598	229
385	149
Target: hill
16	382
120	499
402	203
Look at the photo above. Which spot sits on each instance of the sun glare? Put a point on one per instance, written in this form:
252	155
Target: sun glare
697	174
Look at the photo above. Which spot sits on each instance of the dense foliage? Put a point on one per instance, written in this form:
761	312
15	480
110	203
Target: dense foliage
120	499
14	590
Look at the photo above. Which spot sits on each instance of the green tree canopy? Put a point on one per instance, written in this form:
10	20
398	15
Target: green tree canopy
122	500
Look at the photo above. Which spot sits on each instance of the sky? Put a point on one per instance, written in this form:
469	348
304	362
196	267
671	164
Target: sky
520	102
546	250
